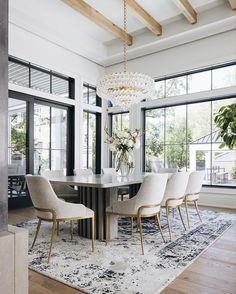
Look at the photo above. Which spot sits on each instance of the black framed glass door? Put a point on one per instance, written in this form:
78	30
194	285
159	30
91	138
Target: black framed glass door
40	137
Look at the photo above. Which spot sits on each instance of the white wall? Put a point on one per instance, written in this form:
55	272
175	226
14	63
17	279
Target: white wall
219	48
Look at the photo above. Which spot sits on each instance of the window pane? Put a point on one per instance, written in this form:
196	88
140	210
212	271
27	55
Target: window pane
85	94
199	158
216	105
58	159
199	123
60	86
120	121
159	89
92	96
41	138
40	80
85	142
41	160
176	125
176	86
223	166
18	74
199	82
16	136
224	77
58	128
92	141
175	156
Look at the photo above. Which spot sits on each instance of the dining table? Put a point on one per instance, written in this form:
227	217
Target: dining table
99	192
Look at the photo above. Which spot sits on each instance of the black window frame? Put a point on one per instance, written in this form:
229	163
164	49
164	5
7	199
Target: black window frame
98	99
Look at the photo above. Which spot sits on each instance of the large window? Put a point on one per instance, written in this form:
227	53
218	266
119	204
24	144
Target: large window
186	137
193	82
32	76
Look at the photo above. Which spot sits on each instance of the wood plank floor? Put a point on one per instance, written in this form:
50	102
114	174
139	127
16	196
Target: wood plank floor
213	272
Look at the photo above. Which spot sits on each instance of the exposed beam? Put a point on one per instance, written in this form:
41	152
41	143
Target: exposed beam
145	17
232	4
187	10
95	16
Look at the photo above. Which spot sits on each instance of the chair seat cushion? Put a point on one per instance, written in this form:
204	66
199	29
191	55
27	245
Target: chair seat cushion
171	202
192	197
66	210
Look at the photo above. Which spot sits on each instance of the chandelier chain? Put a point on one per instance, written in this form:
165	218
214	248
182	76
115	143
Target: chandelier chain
124	42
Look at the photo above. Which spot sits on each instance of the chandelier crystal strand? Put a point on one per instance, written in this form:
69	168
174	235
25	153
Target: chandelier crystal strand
125	88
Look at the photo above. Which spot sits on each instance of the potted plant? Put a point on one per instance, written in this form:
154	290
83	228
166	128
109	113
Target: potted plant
225	120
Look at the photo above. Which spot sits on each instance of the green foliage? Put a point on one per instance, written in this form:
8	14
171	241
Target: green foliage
18	135
225	120
233	172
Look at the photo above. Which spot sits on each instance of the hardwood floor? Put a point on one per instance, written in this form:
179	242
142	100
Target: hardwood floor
213	272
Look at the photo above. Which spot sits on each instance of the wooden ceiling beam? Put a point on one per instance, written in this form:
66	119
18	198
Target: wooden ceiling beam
187	10
145	17
232	4
95	16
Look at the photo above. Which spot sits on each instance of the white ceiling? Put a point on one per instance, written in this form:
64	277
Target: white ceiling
55	18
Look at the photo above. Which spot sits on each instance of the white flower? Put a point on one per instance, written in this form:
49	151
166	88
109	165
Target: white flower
112	147
137	144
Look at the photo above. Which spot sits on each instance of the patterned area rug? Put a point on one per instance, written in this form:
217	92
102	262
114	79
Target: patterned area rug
119	267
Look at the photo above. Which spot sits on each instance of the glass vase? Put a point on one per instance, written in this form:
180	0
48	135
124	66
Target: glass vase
124	162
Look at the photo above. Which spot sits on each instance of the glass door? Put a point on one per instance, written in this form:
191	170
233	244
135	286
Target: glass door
17	150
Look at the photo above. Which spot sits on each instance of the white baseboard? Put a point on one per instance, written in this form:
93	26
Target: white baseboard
218	197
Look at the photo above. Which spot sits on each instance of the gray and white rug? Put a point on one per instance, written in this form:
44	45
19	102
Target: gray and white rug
119	267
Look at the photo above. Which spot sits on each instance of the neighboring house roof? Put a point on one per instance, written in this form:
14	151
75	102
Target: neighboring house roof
209	138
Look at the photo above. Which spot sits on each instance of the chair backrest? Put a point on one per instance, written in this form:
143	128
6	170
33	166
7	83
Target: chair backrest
41	192
195	182
13	169
83	172
52	173
152	190
167	170
176	185
109	171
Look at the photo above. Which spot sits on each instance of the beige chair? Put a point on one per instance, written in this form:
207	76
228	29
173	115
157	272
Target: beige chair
192	191
52	209
145	204
175	195
83	172
62	190
124	190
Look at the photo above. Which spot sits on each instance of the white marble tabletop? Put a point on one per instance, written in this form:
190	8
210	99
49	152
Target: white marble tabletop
99	181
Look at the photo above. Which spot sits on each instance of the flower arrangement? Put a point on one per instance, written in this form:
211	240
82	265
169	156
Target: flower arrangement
123	143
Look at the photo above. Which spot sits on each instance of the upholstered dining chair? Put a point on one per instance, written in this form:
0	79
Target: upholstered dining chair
52	209
145	204
124	190
62	190
83	172
192	191
175	195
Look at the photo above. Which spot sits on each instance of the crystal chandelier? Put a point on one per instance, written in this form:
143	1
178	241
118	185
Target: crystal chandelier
125	88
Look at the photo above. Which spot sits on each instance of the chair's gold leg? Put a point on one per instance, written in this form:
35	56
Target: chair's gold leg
36	233
186	206
107	227
141	233
71	230
168	221
132	221
93	234
52	236
58	228
198	212
159	224
180	214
